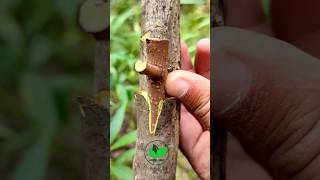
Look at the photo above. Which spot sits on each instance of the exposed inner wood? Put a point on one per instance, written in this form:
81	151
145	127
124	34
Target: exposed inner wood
157	55
152	71
160	49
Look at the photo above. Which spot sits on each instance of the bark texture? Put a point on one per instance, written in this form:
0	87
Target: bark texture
95	132
95	120
101	73
160	23
219	138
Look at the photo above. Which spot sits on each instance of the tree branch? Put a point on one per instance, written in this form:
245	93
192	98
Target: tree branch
219	137
157	115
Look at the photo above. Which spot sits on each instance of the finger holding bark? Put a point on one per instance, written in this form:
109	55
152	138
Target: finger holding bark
193	91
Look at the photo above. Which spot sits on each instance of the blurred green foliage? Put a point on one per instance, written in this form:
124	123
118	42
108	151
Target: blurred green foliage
45	63
125	50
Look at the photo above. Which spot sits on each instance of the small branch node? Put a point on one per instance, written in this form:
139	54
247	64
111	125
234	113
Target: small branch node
152	71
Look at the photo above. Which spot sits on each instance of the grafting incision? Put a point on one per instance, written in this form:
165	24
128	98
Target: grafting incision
155	68
157	114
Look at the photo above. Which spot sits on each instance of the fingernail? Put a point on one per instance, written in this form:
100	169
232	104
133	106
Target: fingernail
232	81
176	86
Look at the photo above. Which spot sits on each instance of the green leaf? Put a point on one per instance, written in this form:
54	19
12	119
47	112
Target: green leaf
116	122
162	151
11	34
125	140
156	152
120	20
67	81
34	163
41	112
120	171
126	156
9	4
5	132
38	103
203	24
41	48
122	93
39	15
155	148
67	9
152	153
192	1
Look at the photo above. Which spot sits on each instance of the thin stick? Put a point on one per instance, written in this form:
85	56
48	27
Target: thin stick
219	138
94	19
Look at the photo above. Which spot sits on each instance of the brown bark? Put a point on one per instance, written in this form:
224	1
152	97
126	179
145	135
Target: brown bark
95	132
219	138
94	19
157	114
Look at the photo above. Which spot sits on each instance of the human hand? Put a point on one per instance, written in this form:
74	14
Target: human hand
192	87
269	99
267	93
291	22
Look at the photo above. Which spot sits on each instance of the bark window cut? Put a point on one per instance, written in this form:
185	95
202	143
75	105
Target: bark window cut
157	114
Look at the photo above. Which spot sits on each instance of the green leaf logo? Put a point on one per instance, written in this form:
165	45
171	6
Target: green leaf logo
156	152
155	148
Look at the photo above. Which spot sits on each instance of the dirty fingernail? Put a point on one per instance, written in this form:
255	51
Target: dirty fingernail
176	86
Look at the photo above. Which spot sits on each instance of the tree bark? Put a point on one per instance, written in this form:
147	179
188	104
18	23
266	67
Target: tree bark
219	138
95	133
157	114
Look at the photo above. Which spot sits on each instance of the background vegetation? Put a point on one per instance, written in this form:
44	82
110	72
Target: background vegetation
125	49
46	62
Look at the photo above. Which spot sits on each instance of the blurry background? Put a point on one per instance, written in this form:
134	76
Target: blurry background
125	50
46	62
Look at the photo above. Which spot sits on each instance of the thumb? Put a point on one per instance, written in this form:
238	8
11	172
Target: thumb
266	92
193	91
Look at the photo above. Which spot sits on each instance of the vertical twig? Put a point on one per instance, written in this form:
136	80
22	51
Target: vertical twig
157	115
94	19
219	138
